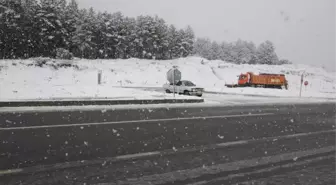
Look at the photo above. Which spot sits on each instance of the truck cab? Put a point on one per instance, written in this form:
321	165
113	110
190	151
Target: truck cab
243	79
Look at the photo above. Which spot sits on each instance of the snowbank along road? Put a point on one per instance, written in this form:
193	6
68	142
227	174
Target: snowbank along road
195	145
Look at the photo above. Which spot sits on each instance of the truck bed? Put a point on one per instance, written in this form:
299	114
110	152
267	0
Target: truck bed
268	79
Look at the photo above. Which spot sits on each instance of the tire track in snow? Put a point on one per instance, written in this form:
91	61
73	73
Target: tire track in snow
216	74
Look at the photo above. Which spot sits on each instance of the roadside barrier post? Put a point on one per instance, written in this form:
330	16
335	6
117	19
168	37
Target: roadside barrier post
99	76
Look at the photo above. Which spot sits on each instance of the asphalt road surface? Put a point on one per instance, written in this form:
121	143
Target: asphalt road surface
195	145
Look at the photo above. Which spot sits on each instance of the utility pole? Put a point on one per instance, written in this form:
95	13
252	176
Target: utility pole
174	82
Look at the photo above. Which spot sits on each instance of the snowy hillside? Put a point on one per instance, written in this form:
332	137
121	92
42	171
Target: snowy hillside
23	79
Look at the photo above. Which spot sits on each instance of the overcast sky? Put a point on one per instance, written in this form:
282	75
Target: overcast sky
302	30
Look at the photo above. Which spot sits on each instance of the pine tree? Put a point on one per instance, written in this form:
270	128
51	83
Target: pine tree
226	52
202	48
131	35
244	51
52	31
14	36
144	39
160	39
70	20
266	53
215	51
83	36
188	39
173	49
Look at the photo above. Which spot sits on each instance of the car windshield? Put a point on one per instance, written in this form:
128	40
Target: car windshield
242	77
188	83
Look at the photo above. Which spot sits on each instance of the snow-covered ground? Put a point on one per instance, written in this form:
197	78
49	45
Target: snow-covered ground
21	80
50	92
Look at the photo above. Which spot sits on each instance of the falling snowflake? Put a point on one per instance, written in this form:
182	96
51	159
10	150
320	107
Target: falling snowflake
114	131
221	137
66	154
104	163
292	120
86	143
7	121
295	158
175	150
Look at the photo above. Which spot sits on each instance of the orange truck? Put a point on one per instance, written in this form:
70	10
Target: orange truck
264	80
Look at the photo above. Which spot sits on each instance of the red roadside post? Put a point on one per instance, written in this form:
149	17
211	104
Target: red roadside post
306	83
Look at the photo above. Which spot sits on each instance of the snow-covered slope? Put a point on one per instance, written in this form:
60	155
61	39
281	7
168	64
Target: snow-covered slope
18	76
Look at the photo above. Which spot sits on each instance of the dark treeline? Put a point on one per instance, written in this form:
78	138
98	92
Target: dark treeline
31	28
60	29
239	52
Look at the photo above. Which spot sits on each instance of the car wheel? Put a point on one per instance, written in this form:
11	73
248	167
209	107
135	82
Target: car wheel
168	91
200	95
186	93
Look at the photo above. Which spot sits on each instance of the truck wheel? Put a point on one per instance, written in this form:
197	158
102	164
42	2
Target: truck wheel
200	95
168	91
186	93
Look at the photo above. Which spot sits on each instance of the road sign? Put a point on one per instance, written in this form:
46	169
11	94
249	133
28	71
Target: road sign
174	75
306	83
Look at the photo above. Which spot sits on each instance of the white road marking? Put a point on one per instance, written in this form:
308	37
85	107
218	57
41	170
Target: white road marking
138	155
276	138
199	183
132	121
306	134
7	172
233	143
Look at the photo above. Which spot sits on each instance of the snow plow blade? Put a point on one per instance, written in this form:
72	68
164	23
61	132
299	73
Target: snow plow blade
231	85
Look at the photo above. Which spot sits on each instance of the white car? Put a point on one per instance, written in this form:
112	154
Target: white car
184	87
